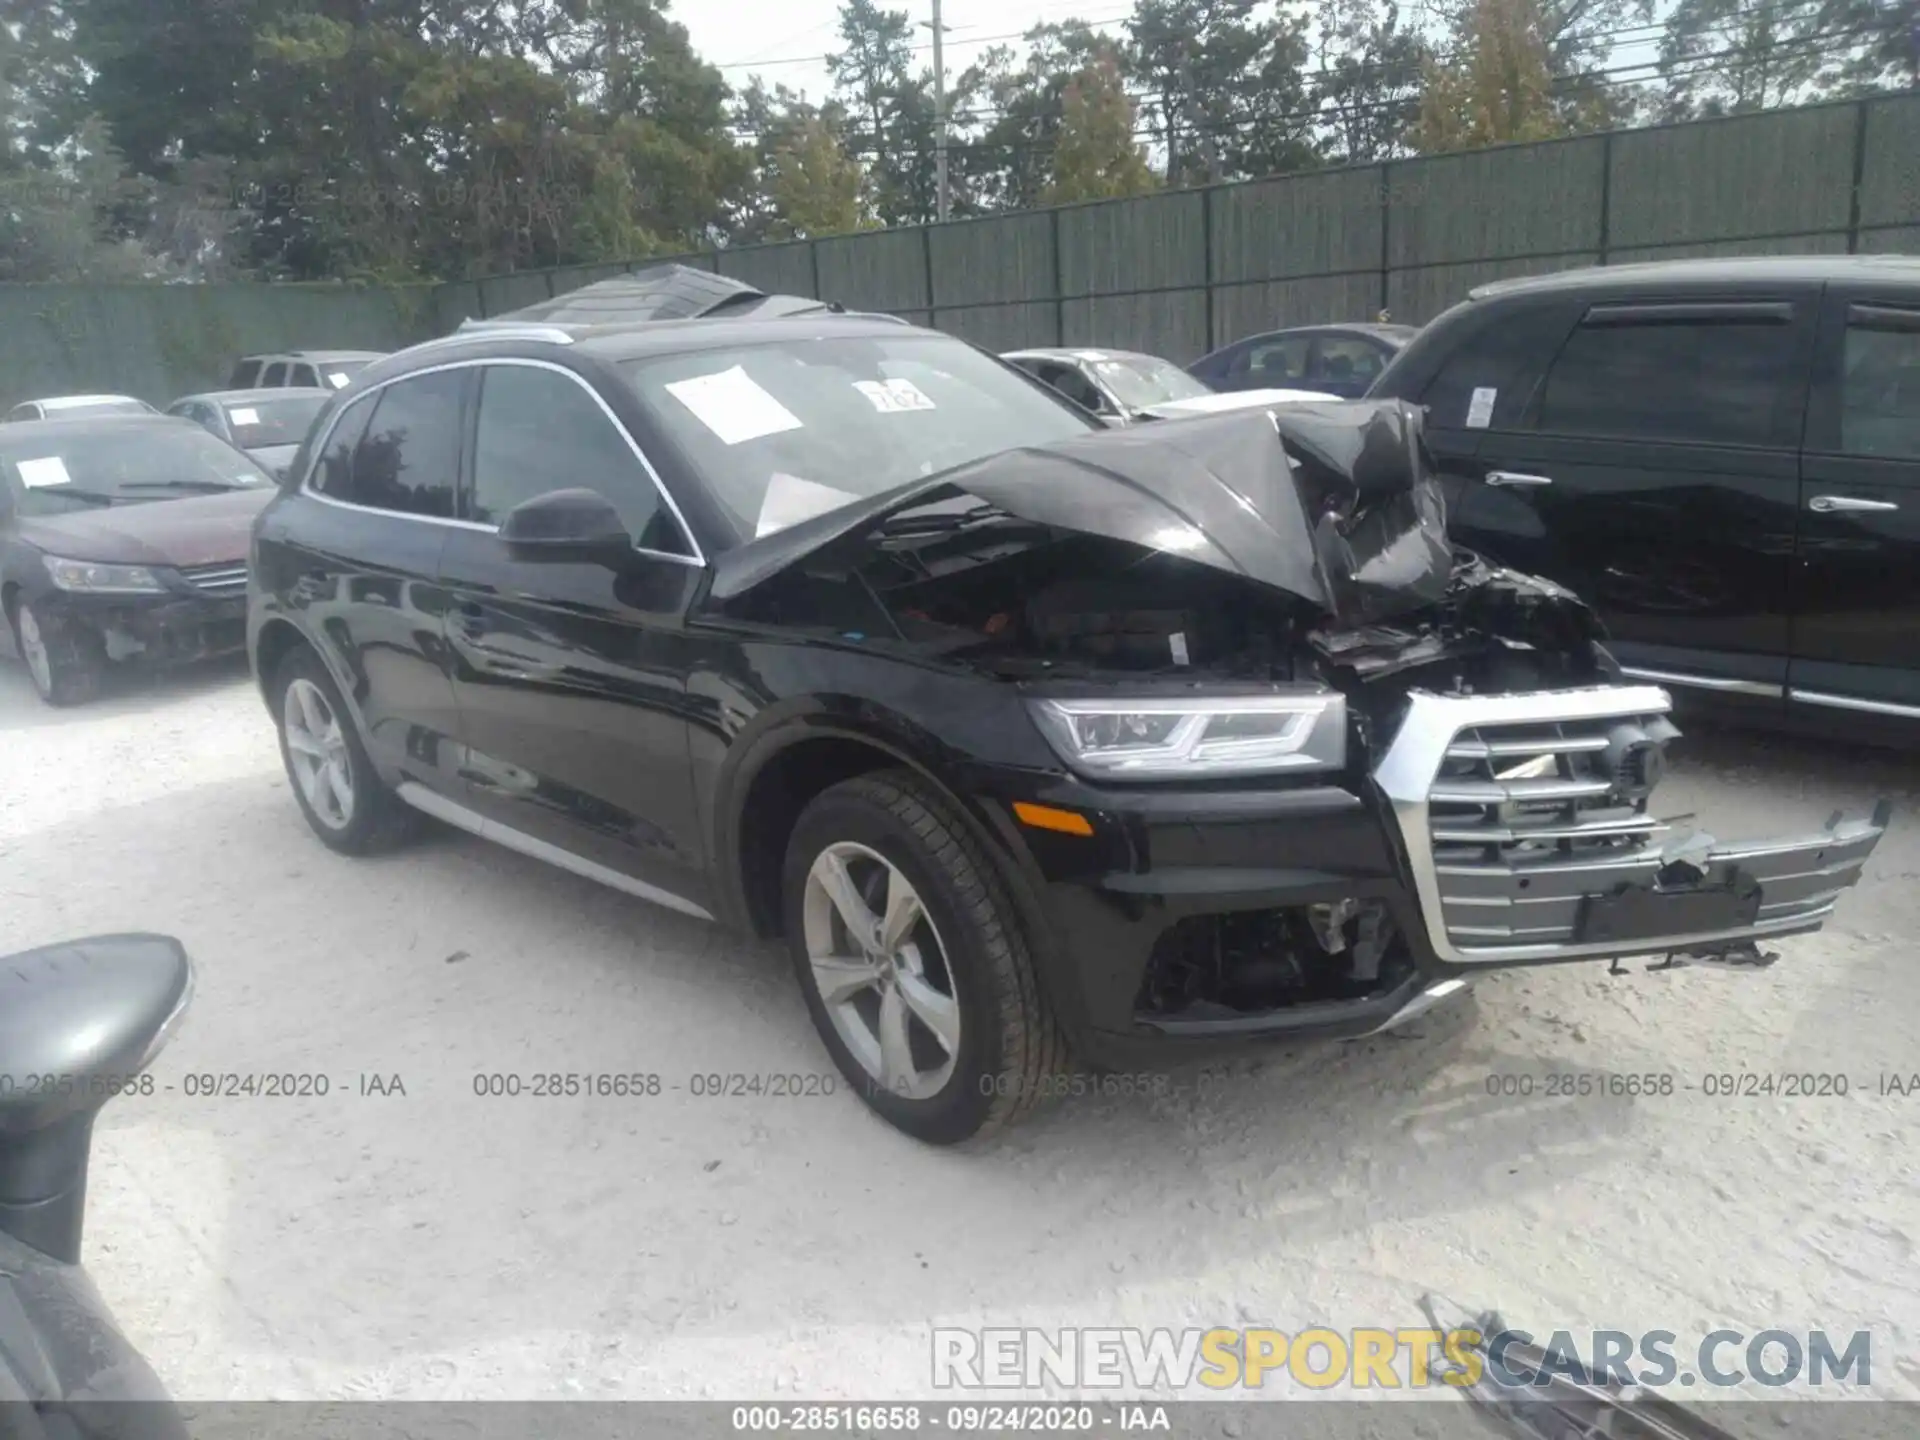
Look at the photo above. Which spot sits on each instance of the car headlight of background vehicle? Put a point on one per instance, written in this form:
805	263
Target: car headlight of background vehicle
1197	737
91	578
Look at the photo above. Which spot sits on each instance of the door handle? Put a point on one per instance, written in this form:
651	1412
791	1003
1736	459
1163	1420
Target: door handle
1515	477
1829	504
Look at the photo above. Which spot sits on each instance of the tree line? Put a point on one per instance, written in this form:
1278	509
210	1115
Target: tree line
435	139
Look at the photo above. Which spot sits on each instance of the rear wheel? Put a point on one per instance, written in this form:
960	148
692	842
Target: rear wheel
346	803
67	662
912	963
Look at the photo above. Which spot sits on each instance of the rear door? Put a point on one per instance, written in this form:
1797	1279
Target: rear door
360	566
1654	470
1856	626
572	677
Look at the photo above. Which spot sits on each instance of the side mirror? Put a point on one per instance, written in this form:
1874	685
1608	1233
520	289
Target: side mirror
567	525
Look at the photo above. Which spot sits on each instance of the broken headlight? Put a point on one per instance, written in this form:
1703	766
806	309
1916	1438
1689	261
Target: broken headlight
1196	737
91	577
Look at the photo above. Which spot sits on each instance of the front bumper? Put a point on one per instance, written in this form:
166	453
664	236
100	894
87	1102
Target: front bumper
201	614
1512	873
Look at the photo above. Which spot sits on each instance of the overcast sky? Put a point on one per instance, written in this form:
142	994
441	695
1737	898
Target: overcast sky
784	40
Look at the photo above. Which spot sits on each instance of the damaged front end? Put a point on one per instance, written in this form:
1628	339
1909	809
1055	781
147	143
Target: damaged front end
1261	607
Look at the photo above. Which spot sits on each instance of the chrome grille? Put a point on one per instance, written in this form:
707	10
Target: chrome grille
1527	820
229	578
1515	808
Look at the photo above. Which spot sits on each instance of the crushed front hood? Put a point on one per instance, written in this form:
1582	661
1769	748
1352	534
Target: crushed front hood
1334	503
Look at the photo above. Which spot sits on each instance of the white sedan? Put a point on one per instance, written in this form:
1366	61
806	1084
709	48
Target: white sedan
1124	387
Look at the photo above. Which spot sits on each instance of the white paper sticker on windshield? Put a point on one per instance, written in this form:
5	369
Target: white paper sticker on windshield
890	397
789	500
244	417
733	406
339	382
38	474
1480	407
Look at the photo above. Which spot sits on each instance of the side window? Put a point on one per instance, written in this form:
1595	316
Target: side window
304	375
1506	356
540	431
1880	384
1279	364
410	454
245	375
1716	379
276	374
1075	386
1347	360
333	471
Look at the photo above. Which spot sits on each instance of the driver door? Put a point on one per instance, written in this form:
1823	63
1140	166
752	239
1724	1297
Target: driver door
571	678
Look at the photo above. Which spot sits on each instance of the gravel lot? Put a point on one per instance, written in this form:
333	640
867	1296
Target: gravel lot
440	1244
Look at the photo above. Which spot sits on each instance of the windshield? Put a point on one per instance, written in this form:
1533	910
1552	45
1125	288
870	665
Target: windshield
259	423
122	467
1138	381
783	432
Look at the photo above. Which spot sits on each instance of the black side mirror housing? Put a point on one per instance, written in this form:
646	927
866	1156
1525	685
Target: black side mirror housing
567	525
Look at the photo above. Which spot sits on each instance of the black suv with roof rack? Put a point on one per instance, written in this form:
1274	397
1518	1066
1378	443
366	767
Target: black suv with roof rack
1030	736
1721	456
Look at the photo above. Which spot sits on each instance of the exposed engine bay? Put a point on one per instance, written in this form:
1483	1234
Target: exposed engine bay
1246	546
1029	602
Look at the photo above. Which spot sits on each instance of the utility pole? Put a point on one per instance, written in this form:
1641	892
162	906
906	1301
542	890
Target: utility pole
939	119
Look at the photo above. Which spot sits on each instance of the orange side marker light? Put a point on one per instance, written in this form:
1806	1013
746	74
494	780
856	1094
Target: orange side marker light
1046	817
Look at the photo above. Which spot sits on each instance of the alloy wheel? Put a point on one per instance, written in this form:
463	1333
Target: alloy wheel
33	649
317	752
881	970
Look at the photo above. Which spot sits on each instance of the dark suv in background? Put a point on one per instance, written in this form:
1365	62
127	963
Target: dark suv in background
1722	456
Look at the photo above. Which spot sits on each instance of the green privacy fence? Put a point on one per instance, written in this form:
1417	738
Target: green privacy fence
163	341
1180	273
1175	273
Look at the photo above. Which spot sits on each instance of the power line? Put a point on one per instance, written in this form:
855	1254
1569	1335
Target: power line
1692	67
921	49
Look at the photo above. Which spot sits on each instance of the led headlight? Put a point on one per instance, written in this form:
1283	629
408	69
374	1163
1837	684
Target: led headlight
94	579
1194	737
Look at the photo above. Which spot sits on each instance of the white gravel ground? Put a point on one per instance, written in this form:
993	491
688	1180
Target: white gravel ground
439	1244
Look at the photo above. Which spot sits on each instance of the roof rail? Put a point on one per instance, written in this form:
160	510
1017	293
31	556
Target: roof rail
532	330
481	329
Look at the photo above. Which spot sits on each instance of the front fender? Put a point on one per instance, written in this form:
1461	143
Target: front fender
961	779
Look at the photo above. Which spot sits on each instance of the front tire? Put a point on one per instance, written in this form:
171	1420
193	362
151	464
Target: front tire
343	797
67	662
913	965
